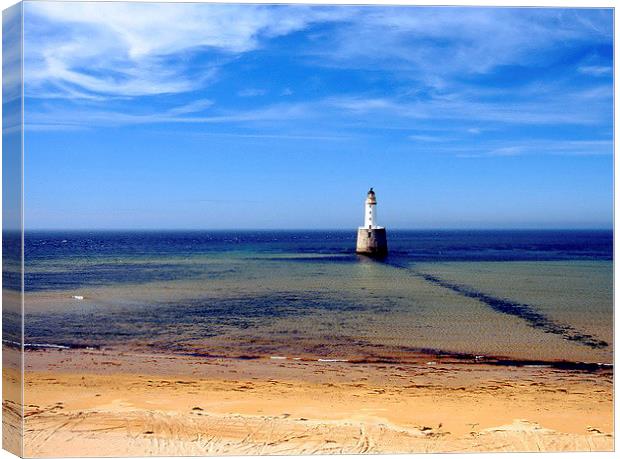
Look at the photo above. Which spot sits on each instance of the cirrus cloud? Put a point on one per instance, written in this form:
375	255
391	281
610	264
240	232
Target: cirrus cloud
121	49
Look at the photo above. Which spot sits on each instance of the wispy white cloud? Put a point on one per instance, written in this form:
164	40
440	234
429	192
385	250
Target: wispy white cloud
547	108
536	147
191	113
97	53
435	44
11	57
134	49
83	49
552	107
428	138
252	92
193	107
596	70
280	136
359	104
506	151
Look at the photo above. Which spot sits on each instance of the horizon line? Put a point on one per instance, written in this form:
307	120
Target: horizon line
438	228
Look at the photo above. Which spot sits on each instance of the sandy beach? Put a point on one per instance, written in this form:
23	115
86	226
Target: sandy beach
104	403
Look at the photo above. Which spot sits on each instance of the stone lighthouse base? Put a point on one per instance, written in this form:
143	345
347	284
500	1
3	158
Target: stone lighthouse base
372	242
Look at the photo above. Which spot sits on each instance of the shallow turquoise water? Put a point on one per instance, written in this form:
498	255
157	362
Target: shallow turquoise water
542	295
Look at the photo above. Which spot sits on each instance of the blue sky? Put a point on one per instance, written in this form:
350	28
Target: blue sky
254	116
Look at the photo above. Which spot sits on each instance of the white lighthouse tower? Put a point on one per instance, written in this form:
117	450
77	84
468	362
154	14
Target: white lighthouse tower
371	239
371	210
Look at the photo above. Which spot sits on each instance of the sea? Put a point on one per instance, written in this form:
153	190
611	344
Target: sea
532	296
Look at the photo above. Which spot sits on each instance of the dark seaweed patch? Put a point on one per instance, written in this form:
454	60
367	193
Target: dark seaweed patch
69	277
171	325
523	311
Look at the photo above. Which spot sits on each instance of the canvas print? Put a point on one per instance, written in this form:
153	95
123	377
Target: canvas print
252	229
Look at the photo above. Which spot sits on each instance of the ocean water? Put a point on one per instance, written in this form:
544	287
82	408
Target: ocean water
537	295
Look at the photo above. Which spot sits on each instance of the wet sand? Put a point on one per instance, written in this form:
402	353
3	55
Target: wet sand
104	403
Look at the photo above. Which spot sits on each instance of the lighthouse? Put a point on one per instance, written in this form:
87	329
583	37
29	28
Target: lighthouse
371	239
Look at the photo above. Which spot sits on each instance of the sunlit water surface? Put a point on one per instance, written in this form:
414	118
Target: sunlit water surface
521	294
